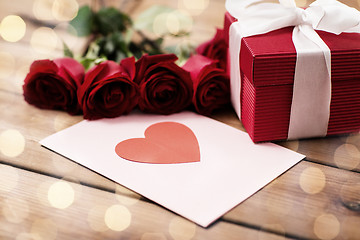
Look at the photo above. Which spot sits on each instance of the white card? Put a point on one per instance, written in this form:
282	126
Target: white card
230	168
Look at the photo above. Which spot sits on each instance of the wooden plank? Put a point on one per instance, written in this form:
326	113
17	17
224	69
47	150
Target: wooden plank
15	62
40	123
310	201
23	126
281	207
341	151
286	193
40	207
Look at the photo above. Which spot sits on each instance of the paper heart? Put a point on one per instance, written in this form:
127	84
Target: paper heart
164	143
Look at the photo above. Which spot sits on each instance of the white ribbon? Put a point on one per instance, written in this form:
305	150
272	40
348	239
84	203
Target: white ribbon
310	110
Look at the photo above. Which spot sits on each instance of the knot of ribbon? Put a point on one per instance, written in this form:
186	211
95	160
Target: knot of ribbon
310	109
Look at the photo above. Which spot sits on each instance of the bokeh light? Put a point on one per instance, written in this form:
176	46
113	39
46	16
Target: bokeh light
42	9
44	229
347	156
20	74
61	195
42	192
7	64
9	178
12	28
173	22
117	218
186	21
15	209
65	10
326	226
44	40
160	25
181	229
70	38
194	7
312	180
12	143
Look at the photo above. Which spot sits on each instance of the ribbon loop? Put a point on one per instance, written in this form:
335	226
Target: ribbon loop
301	17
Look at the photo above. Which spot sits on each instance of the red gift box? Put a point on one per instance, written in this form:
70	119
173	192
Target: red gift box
267	75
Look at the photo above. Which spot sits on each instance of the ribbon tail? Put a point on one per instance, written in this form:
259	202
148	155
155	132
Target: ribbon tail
310	108
235	77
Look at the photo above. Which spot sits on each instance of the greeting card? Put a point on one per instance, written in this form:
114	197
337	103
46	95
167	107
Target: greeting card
193	165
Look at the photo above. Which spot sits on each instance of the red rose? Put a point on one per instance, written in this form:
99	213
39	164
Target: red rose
165	87
53	84
211	84
216	49
109	90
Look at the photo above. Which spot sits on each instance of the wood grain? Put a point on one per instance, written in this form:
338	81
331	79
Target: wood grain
286	192
316	199
31	210
294	202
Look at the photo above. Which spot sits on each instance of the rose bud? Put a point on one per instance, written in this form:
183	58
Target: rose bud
108	90
53	84
216	49
165	87
211	84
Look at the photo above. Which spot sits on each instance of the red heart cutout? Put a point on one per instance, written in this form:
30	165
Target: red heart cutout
164	142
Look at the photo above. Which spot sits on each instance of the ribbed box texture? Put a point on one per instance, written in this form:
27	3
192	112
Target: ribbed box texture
267	74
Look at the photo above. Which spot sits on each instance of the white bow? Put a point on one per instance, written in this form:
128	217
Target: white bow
310	108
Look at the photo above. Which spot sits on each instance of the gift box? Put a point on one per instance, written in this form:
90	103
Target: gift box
267	68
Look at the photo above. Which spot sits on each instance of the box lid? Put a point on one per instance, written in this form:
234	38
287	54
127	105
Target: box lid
269	59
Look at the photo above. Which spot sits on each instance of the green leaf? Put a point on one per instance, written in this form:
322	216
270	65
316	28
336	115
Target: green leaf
129	35
83	22
182	51
135	50
99	60
159	41
93	51
87	63
90	62
113	46
109	20
109	46
67	51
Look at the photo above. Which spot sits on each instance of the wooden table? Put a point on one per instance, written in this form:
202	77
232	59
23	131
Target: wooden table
46	196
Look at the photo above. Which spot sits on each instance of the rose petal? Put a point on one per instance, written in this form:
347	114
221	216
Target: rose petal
108	91
51	85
